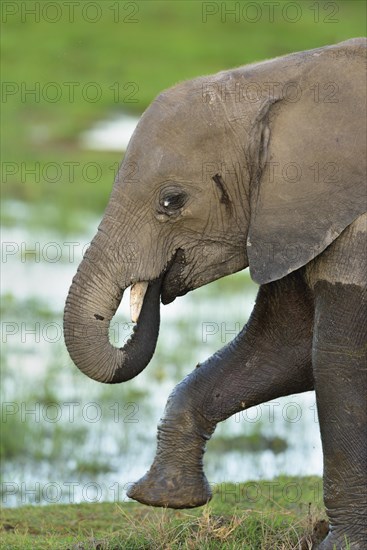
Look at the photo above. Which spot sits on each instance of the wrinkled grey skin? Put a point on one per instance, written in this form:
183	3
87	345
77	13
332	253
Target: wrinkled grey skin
261	166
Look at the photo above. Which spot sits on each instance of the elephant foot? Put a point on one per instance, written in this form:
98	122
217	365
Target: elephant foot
172	489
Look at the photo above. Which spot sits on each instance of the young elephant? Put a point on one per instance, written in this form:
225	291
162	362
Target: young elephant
261	166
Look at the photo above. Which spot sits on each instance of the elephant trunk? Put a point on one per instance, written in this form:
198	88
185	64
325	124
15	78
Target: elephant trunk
93	299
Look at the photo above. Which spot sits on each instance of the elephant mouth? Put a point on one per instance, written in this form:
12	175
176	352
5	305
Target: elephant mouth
173	284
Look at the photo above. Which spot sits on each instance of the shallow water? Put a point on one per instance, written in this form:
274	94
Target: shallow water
110	135
69	439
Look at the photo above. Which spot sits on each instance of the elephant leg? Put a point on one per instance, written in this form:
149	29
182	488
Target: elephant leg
341	390
270	358
337	279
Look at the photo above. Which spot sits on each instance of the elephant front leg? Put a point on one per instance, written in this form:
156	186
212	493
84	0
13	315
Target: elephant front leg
341	390
270	358
176	478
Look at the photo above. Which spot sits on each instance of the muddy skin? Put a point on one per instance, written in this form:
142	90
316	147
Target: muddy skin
271	357
339	355
338	281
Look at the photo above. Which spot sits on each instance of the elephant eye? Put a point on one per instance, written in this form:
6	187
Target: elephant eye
172	201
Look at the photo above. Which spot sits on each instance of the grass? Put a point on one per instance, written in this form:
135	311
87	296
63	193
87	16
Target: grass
234	519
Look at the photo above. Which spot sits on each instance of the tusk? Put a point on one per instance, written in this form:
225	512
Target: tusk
137	293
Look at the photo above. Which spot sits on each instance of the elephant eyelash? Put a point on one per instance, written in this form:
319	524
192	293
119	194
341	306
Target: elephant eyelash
224	199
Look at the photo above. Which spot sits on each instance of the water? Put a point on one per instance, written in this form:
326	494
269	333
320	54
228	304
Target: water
70	439
110	135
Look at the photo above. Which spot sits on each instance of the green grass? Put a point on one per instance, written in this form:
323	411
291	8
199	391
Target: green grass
260	515
169	42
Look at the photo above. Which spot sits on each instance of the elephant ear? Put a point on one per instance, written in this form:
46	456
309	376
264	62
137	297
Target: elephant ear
309	181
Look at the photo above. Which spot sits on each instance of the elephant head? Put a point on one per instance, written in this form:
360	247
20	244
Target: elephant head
254	166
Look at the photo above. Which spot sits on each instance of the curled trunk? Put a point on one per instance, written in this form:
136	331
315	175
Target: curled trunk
93	299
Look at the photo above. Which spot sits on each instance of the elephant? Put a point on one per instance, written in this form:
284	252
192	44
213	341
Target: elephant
261	166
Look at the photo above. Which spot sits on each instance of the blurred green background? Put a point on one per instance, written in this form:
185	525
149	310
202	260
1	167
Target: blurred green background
128	52
152	44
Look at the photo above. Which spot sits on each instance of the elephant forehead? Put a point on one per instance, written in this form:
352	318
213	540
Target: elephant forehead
178	119
160	155
161	163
